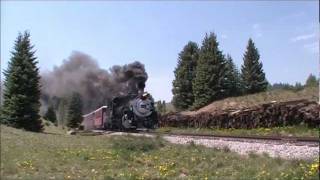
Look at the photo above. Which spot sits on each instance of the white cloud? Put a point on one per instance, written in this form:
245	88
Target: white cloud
303	37
312	47
292	16
256	26
223	36
257	30
258	34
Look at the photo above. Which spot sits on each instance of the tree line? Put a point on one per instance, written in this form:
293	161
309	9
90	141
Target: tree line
161	107
205	74
202	75
311	81
21	93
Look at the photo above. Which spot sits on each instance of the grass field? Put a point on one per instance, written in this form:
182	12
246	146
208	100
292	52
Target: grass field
26	155
298	131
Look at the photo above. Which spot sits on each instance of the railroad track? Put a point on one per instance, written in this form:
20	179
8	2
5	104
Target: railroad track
275	146
280	139
246	137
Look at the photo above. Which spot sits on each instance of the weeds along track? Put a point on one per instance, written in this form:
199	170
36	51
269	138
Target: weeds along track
310	141
283	147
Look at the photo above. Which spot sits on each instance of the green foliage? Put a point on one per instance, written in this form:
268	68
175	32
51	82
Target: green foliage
161	107
51	115
74	116
252	73
22	89
312	81
184	74
209	83
286	86
62	111
233	84
164	106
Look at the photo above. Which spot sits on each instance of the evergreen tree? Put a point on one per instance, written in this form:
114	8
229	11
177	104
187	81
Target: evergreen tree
298	87
184	74
51	115
62	111
74	116
164	107
22	89
233	84
252	74
159	107
209	83
285	86
1	94
312	81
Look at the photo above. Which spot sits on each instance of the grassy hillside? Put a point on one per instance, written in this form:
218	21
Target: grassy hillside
26	155
260	98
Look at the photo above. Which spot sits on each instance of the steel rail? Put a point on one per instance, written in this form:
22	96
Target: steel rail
243	137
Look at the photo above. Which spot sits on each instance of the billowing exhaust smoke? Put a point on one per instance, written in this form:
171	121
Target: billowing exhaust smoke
81	73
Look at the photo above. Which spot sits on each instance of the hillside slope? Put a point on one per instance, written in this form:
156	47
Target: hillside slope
258	99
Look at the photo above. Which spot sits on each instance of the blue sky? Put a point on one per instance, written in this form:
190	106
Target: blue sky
286	34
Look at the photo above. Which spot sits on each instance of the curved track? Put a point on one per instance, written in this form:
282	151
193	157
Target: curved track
275	146
246	137
280	139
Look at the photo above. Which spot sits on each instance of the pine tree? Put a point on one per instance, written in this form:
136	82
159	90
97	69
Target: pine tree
1	94
298	86
252	74
51	115
62	111
74	116
312	81
209	83
184	74
164	107
159	106
22	89
233	84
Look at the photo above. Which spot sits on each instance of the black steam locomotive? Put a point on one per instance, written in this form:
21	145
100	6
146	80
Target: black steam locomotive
132	111
135	110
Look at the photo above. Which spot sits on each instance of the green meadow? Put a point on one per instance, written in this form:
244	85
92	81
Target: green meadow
55	155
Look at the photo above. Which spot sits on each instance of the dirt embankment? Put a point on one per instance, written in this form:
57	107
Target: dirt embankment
252	100
234	115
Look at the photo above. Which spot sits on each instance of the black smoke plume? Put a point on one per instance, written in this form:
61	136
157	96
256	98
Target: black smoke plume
81	73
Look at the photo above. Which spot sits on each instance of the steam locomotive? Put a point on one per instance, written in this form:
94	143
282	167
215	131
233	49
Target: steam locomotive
128	112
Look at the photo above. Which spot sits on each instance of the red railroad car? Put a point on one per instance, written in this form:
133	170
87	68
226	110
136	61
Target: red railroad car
96	119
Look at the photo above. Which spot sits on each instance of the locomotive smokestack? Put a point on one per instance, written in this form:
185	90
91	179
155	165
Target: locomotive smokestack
136	85
141	86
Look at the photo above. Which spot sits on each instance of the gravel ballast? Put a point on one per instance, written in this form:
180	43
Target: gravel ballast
282	149
273	149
